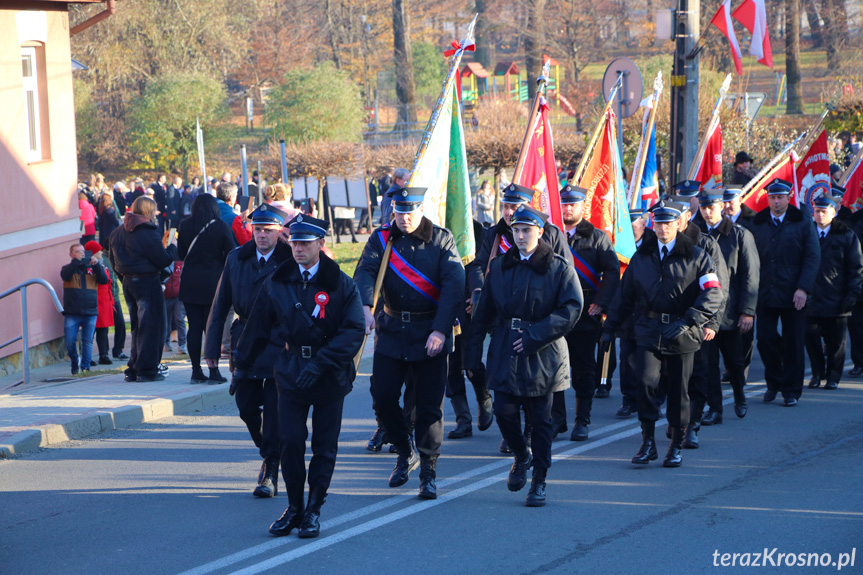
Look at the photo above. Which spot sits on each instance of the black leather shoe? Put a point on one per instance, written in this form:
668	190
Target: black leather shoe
268	479
311	525
518	472
536	495
740	410
769	395
376	441
647	452
815	382
290	520
601	393
504	447
428	474
831	385
856	372
486	414
462	429
406	463
673	458
790	402
105	360
624	411
690	437
121	355
579	432
157	377
711	418
559	427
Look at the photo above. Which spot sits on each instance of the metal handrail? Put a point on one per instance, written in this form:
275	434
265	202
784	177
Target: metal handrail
25	329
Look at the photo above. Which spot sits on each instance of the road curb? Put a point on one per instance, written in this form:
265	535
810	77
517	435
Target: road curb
100	421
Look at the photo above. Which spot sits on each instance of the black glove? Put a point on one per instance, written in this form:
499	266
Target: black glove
605	341
238	378
675	330
848	304
308	377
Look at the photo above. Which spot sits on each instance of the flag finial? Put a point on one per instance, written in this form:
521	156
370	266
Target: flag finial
657	83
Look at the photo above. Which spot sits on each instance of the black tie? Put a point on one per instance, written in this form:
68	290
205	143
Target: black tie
823	234
664	252
306	276
713	232
262	261
776	221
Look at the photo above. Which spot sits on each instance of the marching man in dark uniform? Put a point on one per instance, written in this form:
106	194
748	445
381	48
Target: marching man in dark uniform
790	258
313	310
598	271
837	287
423	287
246	270
738	251
529	302
672	286
740	214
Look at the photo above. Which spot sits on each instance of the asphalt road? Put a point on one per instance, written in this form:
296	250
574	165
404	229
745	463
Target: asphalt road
175	497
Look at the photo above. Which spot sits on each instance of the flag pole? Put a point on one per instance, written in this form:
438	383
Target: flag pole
711	125
421	150
644	146
541	82
855	162
582	164
770	165
815	131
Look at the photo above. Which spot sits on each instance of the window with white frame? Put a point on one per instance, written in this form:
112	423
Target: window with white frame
31	103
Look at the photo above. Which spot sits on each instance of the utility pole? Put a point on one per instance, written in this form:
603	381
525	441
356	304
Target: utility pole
684	91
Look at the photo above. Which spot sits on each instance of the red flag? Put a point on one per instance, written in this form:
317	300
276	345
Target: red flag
753	15
853	180
813	171
539	171
722	20
709	172
756	198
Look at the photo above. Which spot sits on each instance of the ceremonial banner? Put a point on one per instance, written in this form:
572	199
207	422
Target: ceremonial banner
605	205
756	198
539	172
722	20
709	171
852	180
649	179
753	15
813	172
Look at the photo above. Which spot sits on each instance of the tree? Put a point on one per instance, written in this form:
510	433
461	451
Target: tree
163	119
319	104
533	43
792	57
405	90
833	33
430	68
86	120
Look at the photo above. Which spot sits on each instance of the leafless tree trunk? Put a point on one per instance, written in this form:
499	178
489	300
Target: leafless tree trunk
533	43
792	57
405	90
814	22
481	36
831	28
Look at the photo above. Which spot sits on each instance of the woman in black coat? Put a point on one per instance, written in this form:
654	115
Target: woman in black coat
107	220
203	244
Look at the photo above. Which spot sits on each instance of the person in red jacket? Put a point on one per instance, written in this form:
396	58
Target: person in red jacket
105	300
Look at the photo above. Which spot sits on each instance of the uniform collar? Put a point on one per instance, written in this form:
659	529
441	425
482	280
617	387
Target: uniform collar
312	270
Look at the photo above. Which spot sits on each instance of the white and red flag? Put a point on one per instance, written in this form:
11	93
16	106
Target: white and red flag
722	20
753	15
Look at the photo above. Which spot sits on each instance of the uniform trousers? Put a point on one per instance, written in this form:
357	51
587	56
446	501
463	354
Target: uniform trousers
258	403
582	361
732	344
429	378
855	331
650	368
782	355
832	331
537	411
698	384
455	372
629	387
293	432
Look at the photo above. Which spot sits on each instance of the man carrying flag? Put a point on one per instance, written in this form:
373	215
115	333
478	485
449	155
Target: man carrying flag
598	271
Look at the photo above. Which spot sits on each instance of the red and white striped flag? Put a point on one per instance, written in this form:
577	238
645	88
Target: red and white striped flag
753	15
722	20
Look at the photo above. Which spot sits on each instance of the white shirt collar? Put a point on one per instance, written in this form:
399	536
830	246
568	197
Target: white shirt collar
825	231
780	218
312	270
524	257
669	245
266	257
735	216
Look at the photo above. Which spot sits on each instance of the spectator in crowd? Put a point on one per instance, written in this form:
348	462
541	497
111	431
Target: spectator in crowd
204	243
485	204
119	321
160	194
185	205
399	181
105	300
742	169
137	191
81	278
176	313
835	174
172	203
88	218
120	191
226	197
108	220
344	218
197	187
138	257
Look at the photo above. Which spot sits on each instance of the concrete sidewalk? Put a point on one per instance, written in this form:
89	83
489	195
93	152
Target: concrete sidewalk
56	407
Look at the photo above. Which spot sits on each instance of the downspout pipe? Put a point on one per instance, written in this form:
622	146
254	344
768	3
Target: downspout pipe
110	8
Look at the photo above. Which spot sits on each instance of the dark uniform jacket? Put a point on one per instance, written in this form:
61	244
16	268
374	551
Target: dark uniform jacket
593	247
431	250
840	277
844	214
855	222
651	287
710	246
334	339
476	270
239	286
544	293
204	262
746	217
789	256
80	287
743	266
136	248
